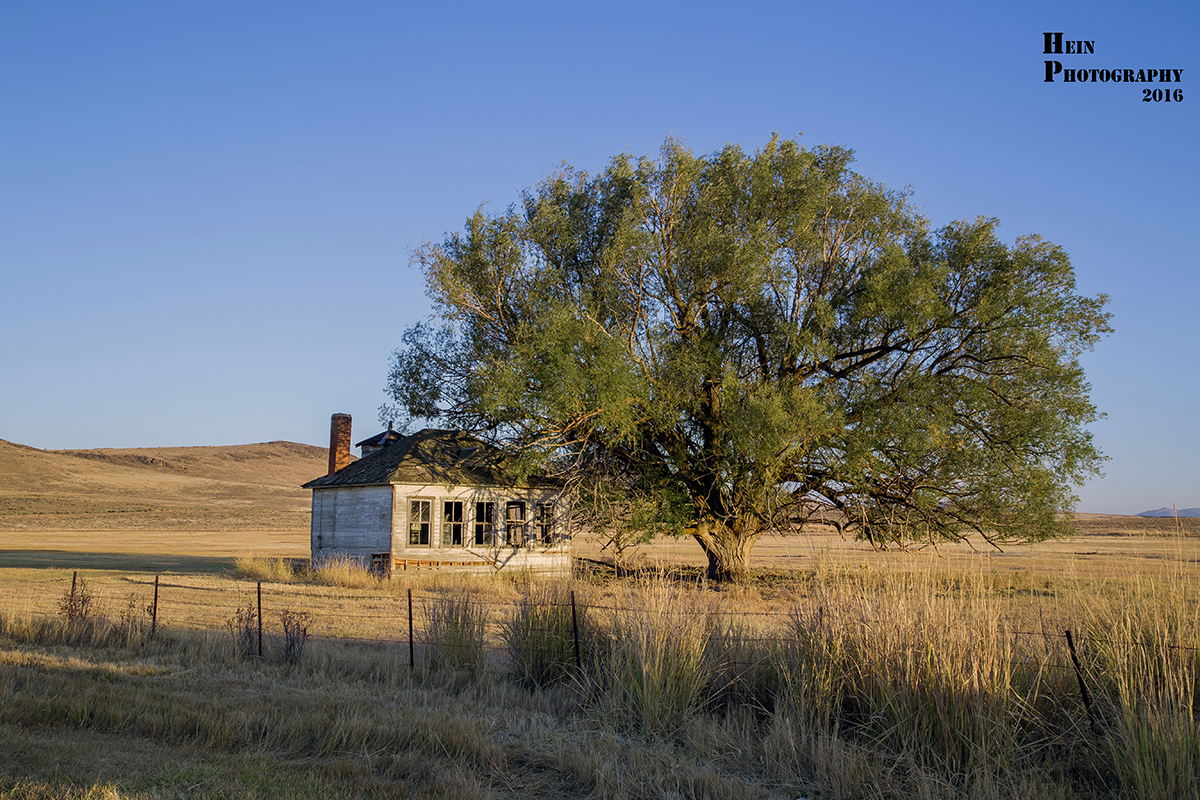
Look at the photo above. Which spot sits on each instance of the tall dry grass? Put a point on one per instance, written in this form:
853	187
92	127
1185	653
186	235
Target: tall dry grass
651	665
268	570
847	683
348	572
916	670
1144	658
331	570
455	632
546	634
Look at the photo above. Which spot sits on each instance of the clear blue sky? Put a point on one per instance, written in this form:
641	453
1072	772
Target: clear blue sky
207	209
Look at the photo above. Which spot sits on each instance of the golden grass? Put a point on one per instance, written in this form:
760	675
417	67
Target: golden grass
651	666
271	570
942	677
238	487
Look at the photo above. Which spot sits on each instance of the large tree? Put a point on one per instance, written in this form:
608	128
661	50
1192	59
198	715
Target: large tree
720	344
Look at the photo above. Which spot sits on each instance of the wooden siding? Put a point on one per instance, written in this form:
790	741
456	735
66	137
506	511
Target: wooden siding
556	561
352	520
470	495
368	520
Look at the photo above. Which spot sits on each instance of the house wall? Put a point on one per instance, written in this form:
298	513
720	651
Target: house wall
470	496
364	521
352	521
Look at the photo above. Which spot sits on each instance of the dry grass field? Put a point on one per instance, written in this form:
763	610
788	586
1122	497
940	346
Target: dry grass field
837	672
255	486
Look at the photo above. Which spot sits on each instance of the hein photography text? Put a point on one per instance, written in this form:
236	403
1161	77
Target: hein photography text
1078	71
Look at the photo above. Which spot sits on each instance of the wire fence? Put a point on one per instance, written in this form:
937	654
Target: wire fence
883	676
854	656
409	621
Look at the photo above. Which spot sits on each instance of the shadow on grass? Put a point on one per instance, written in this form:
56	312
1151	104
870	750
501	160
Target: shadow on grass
134	562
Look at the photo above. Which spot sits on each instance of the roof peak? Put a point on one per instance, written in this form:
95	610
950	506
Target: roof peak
430	455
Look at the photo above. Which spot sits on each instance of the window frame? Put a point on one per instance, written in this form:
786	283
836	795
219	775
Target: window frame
483	530
415	527
451	526
516	529
543	523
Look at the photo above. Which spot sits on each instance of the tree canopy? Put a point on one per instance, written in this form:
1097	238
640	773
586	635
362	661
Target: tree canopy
723	344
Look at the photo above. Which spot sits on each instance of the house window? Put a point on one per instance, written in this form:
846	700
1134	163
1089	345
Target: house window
544	523
485	524
452	524
418	522
514	518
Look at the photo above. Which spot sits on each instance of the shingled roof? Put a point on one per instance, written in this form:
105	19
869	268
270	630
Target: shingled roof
381	439
429	456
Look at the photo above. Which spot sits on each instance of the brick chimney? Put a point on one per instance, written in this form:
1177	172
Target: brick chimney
339	442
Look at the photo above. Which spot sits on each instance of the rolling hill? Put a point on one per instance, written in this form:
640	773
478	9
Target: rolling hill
1171	512
252	486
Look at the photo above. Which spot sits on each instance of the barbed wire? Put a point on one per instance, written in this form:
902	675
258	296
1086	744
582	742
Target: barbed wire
393	608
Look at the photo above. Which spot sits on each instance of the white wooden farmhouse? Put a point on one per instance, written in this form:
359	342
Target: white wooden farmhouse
435	498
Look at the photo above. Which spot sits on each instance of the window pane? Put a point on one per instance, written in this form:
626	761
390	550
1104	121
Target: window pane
545	523
485	533
452	527
418	523
515	517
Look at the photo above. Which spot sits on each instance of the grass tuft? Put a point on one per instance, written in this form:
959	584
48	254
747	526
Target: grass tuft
539	634
652	666
455	629
267	570
295	634
344	571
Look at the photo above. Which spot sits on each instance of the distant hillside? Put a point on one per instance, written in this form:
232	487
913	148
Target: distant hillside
252	486
1119	525
1170	512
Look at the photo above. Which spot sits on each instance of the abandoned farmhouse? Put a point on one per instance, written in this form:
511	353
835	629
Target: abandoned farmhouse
435	498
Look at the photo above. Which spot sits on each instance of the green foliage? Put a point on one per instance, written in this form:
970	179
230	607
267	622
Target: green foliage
713	344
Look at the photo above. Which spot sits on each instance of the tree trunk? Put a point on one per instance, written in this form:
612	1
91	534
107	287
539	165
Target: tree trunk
728	548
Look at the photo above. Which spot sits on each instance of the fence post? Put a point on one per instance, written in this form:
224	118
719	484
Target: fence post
575	628
74	575
412	657
1087	699
154	609
260	619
